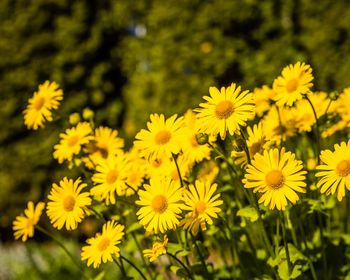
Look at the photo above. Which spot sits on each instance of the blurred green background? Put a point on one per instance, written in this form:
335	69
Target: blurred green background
127	59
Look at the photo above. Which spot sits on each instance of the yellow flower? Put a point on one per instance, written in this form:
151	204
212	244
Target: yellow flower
294	81
103	246
161	138
158	249
170	169
278	176
72	141
68	205
161	204
208	171
105	144
263	97
256	142
110	177
335	172
203	203
23	226
225	110
135	173
41	104
157	167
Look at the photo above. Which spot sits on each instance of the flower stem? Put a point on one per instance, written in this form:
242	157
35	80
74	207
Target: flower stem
201	258
178	170
134	266
285	243
142	256
182	264
317	130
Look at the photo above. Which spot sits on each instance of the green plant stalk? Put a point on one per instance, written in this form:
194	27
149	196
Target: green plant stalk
182	264
179	239
290	226
134	266
285	242
277	237
316	130
121	267
149	271
201	258
178	171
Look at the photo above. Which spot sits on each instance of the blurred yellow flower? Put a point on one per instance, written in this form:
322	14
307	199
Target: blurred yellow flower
103	247
71	142
335	172
161	203
278	176
225	110
158	249
295	80
41	104
263	97
23	225
67	205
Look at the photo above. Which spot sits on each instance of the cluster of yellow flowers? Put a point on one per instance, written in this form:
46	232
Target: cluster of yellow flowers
170	170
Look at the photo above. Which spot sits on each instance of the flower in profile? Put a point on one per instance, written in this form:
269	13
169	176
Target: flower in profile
202	202
103	247
256	142
278	176
68	205
72	141
161	138
225	110
110	178
295	80
23	225
335	170
161	203
158	249
105	144
46	99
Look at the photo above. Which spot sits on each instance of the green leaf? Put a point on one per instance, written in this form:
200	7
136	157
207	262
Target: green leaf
133	227
249	213
100	276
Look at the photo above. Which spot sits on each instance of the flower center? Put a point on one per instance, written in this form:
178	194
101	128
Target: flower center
292	85
39	103
200	207
159	204
104	243
343	168
274	179
30	223
73	140
224	109
162	137
111	176
68	203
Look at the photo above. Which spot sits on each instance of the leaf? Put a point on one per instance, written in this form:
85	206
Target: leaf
249	213
100	276
133	227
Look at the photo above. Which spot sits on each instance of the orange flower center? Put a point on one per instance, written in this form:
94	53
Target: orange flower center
159	204
68	203
224	109
111	176
162	137
73	140
30	223
132	179
343	168
274	179
200	207
103	244
292	85
39	103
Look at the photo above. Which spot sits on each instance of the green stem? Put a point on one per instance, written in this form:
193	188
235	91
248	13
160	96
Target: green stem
142	256
182	264
201	258
178	170
134	266
317	130
329	105
285	243
121	267
277	237
98	215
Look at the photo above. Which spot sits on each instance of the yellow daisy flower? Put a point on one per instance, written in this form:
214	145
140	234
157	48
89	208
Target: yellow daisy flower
256	142
171	170
72	141
135	173
278	176
161	204
208	171
105	144
158	249
203	203
295	80
335	172
41	104
110	177
225	110
262	98
161	138
103	246
23	225
68	205
157	167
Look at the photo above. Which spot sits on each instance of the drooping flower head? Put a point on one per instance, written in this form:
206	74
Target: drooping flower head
225	110
161	204
278	176
158	249
23	225
161	138
295	80
46	99
67	205
103	247
335	171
